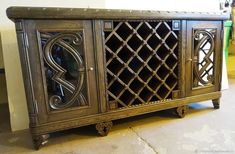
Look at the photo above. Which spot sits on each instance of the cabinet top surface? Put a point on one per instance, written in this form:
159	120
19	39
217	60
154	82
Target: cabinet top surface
83	13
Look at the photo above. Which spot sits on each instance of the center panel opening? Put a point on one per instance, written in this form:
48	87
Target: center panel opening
141	62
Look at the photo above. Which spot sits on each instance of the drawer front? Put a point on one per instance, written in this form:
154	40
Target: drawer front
61	61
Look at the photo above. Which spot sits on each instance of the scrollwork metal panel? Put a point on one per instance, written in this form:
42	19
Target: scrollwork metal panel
64	66
203	58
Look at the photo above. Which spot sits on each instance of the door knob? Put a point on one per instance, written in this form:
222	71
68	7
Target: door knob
194	59
90	69
189	60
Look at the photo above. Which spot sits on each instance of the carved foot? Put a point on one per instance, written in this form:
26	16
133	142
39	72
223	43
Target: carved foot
182	110
216	103
40	140
103	128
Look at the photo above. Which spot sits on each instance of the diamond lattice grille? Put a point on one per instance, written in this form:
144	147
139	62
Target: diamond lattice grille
141	62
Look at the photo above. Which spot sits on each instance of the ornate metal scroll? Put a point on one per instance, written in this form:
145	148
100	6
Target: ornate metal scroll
203	60
60	44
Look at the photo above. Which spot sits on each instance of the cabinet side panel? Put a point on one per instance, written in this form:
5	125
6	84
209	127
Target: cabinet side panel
26	71
219	47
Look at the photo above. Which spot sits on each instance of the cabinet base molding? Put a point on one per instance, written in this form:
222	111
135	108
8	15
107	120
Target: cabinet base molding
114	115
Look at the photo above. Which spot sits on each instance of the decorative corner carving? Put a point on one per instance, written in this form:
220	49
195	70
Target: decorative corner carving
175	94
19	26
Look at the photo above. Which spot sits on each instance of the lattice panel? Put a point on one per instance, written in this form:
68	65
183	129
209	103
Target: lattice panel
204	48
141	61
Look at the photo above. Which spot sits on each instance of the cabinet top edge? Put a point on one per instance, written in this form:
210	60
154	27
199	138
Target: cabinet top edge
85	13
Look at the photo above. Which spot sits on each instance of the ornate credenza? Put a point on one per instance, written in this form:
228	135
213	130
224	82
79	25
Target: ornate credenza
92	66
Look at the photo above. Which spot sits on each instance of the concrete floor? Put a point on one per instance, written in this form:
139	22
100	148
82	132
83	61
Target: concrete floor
203	130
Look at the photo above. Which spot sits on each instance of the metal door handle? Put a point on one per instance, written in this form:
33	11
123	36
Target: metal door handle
192	60
90	69
189	60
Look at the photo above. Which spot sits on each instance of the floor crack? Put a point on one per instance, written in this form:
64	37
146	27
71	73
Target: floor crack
144	140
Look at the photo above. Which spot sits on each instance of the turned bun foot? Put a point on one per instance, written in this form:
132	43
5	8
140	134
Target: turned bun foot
216	103
181	111
40	140
103	128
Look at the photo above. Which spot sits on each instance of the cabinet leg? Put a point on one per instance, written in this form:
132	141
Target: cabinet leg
40	140
103	128
182	110
216	103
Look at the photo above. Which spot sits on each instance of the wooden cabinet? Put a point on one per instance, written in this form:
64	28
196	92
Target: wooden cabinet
86	66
